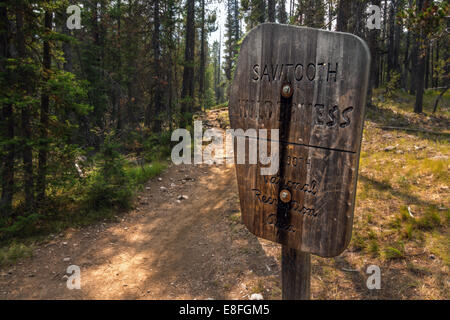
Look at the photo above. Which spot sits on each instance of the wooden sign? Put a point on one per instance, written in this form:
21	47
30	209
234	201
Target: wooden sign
311	85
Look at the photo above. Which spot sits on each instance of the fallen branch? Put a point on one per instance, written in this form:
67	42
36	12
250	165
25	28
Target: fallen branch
439	98
412	129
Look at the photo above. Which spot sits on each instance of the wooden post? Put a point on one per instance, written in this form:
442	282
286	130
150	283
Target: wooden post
295	274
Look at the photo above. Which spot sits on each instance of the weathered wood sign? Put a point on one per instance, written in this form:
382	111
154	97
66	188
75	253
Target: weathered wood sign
311	85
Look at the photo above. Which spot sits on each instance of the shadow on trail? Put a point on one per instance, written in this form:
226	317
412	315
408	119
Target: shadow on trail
204	255
188	251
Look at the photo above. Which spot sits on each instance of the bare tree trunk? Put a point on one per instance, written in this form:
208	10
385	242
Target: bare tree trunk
397	37
414	59
375	61
202	55
187	92
432	48
153	116
384	36
262	11
390	56
27	152
437	61
436	102
67	49
427	66
7	173
343	15
219	70
45	101
271	10
119	115
420	70
406	62
281	12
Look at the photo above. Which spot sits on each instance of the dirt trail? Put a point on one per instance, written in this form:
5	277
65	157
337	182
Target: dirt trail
197	248
164	249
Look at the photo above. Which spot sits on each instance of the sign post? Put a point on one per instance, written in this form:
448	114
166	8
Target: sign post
303	92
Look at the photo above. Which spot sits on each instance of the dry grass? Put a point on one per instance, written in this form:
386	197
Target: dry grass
402	214
402	209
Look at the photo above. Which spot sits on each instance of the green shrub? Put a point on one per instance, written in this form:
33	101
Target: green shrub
395	252
358	242
22	227
429	220
393	84
109	186
407	231
139	175
157	146
13	252
374	248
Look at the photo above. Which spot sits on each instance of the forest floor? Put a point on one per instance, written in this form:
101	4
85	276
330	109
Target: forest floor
195	247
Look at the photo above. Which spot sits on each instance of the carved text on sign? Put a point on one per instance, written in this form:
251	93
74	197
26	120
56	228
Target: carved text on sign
299	71
310	85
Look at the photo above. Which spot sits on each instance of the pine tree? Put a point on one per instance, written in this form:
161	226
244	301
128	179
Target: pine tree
7	116
41	184
187	94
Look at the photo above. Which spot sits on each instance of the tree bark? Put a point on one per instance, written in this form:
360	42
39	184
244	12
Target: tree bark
420	70
67	48
202	55
271	10
44	120
153	117
262	11
343	15
427	65
406	62
187	91
281	12
27	152
375	61
390	56
7	174
119	114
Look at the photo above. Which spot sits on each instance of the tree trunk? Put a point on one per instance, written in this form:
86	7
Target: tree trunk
44	121
427	65
271	10
390	56
187	91
383	45
343	15
432	49
413	65
420	69
7	173
153	116
281	12
219	70
397	37
375	61
330	14
27	152
436	85
406	62
67	48
202	55
119	115
262	11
